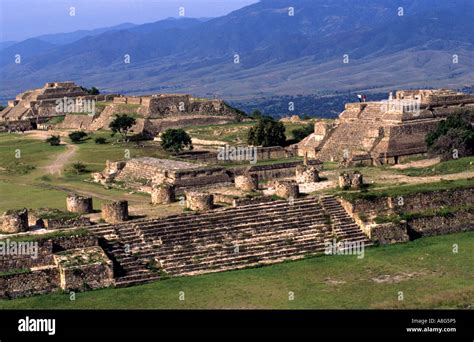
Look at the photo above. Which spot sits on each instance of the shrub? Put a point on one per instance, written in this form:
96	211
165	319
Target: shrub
100	140
77	136
301	133
54	140
78	168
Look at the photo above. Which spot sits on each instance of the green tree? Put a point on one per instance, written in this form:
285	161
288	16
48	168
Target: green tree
301	133
452	138
122	124
77	136
267	132
175	140
100	140
452	122
91	91
54	140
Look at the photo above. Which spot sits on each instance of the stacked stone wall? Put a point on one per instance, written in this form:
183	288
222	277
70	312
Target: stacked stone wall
28	284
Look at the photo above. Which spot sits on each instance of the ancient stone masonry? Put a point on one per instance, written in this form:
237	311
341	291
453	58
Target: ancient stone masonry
384	131
227	238
351	180
199	201
246	182
145	173
163	194
154	113
84	269
73	262
460	221
416	202
287	189
306	174
15	221
42	103
115	212
158	112
79	204
388	233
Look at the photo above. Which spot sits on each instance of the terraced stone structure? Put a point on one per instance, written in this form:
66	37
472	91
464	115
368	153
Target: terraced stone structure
381	132
225	239
156	113
79	204
15	221
145	173
38	105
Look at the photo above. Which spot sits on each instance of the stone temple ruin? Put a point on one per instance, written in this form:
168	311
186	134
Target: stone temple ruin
382	132
154	113
273	218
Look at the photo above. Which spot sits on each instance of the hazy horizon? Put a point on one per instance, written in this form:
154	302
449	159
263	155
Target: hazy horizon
89	14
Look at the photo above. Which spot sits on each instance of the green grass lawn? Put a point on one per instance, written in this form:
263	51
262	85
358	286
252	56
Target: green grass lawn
95	155
442	168
16	149
23	182
427	271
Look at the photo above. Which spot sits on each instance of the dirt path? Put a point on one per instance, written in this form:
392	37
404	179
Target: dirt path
57	166
418	163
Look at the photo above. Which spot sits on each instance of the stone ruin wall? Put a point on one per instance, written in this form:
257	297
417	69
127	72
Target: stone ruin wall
462	221
199	201
149	175
15	221
246	182
163	194
43	275
115	212
412	203
274	171
79	204
287	189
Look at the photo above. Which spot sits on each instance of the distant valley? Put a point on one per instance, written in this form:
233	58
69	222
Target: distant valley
280	56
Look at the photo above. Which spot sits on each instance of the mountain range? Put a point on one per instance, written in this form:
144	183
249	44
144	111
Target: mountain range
277	53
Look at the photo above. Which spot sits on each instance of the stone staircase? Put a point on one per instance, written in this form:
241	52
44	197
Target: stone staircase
225	239
344	226
122	244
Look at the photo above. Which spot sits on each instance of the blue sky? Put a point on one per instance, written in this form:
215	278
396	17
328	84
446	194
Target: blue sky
22	19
